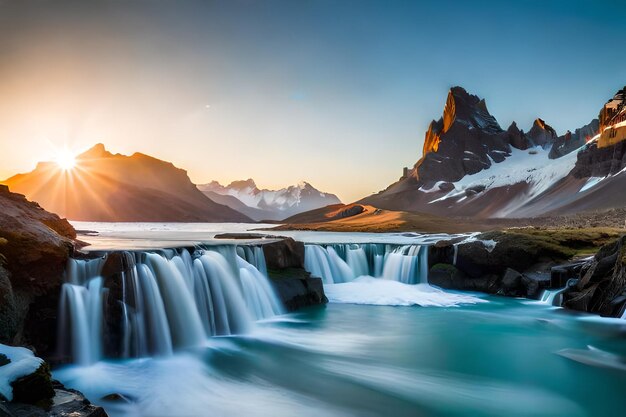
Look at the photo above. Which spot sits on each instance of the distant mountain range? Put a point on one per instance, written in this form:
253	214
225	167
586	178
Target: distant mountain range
262	204
471	166
107	187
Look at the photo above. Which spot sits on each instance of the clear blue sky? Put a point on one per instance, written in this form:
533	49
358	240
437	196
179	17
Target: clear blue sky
338	93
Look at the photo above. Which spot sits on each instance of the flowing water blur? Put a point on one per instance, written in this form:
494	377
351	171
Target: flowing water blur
387	344
490	359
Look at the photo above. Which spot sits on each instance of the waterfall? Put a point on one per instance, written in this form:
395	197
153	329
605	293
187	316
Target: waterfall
162	302
339	263
552	297
555	297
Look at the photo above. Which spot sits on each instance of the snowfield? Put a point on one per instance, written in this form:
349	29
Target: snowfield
531	166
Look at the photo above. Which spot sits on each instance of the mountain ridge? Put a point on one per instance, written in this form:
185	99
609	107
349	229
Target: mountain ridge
471	167
266	204
115	187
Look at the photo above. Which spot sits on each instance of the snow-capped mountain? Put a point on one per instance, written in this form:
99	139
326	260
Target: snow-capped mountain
472	167
262	204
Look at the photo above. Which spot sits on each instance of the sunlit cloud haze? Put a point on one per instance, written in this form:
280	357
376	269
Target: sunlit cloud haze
338	93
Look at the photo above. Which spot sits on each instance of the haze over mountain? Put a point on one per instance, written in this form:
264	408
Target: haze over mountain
262	204
107	187
471	166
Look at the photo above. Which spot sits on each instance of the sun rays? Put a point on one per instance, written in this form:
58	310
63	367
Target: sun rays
69	185
65	159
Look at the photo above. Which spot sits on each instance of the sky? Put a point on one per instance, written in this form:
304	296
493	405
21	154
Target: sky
337	93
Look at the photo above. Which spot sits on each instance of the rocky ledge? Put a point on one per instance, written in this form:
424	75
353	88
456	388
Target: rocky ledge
28	390
285	266
525	262
34	248
601	283
64	403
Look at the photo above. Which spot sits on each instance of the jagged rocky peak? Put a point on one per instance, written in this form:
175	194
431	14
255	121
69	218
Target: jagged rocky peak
517	137
468	109
569	142
460	108
242	184
465	140
95	152
541	134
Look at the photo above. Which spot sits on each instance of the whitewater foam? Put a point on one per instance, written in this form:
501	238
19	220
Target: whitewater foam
382	292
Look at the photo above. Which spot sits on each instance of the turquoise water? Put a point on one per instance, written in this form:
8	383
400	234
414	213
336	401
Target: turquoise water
502	358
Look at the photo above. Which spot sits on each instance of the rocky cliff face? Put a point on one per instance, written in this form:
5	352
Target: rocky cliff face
569	142
34	248
599	162
107	187
601	285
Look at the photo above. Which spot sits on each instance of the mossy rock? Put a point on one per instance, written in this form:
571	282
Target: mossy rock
35	388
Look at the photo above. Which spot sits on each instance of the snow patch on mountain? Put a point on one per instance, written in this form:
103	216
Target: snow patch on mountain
531	166
282	203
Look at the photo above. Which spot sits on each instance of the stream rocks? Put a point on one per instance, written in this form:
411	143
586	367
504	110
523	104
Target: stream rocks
523	263
65	402
504	263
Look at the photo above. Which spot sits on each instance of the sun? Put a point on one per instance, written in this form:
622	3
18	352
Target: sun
66	160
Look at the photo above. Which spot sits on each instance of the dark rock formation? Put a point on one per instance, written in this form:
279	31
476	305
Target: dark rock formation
35	389
541	134
601	288
517	138
285	253
296	288
65	402
285	266
34	249
115	273
501	263
569	142
599	162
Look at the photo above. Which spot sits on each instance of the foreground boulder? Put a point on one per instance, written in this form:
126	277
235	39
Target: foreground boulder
65	403
27	389
601	288
34	248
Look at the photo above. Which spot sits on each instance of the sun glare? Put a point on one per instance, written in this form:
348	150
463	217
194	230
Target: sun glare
65	160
